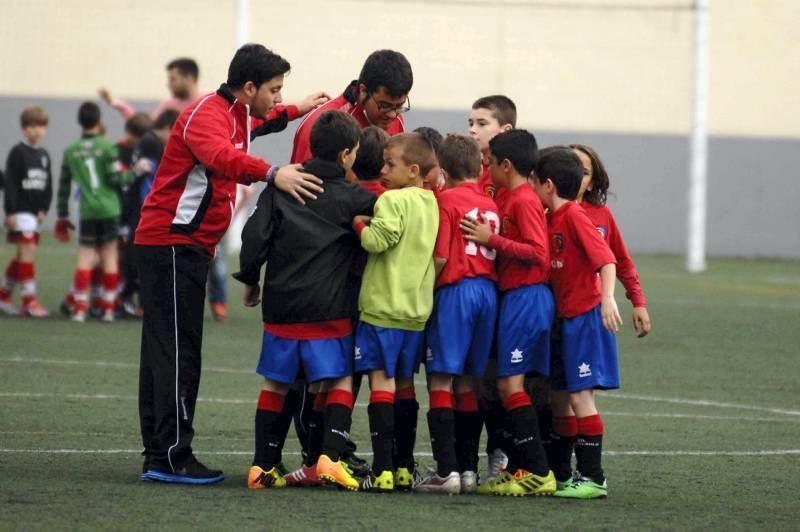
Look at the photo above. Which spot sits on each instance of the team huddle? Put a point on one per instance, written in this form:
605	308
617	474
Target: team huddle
481	258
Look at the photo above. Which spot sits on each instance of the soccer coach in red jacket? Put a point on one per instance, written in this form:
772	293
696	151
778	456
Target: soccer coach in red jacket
183	218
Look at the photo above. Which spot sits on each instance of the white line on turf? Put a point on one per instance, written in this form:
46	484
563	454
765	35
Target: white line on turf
105	364
699	402
756	453
219	400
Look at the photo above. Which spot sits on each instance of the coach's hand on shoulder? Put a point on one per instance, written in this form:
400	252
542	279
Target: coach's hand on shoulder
641	321
296	183
312	101
252	295
610	314
62	229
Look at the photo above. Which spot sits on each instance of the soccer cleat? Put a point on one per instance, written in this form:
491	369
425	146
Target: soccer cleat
219	311
561	484
405	478
33	309
491	487
78	316
583	488
433	483
7	305
526	483
469	482
259	479
358	466
496	462
336	473
108	316
192	472
383	483
304	476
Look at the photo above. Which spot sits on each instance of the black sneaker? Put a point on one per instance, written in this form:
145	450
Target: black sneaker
357	465
192	472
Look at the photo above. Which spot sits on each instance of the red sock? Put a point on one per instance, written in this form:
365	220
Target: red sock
340	397
26	276
379	396
81	289
590	425
271	401
10	278
441	399
466	402
110	285
565	425
517	400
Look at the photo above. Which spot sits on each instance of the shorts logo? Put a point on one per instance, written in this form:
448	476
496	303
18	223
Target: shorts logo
584	370
557	243
429	355
602	230
516	356
358	353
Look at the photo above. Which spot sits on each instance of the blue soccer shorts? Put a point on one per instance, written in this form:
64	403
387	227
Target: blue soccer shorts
396	351
327	358
585	355
461	329
523	331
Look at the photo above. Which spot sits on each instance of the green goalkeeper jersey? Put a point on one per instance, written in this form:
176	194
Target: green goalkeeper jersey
93	165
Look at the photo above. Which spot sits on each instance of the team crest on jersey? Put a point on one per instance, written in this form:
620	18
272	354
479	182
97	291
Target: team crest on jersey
489	190
602	230
557	243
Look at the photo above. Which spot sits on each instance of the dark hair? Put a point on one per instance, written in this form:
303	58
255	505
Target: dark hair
560	165
433	137
502	108
416	150
369	160
33	116
138	124
598	194
333	132
460	156
88	115
166	119
254	62
186	66
518	146
389	69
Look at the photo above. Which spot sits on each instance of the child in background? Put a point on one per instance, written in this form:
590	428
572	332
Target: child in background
586	357
92	162
526	309
461	328
592	197
366	171
29	191
490	116
395	302
434	180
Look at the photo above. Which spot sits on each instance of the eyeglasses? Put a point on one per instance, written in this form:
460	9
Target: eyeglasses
386	107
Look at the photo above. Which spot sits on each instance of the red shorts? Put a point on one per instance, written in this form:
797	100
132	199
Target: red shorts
23	237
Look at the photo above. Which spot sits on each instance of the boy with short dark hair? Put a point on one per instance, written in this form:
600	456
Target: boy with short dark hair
92	162
589	318
490	116
461	328
395	302
28	193
526	309
306	306
366	169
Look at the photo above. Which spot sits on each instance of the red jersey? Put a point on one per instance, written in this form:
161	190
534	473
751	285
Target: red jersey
194	189
524	253
489	188
376	187
577	252
346	102
603	220
464	259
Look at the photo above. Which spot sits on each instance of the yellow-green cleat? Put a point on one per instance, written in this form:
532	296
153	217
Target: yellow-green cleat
259	479
584	488
491	487
526	483
404	478
383	483
336	473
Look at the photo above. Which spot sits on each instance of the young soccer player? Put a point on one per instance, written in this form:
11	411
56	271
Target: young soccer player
592	197
490	116
306	306
461	328
366	171
92	162
526	309
434	180
28	193
586	357
395	302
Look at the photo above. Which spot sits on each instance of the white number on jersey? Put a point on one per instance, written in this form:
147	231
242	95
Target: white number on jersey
94	180
494	222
